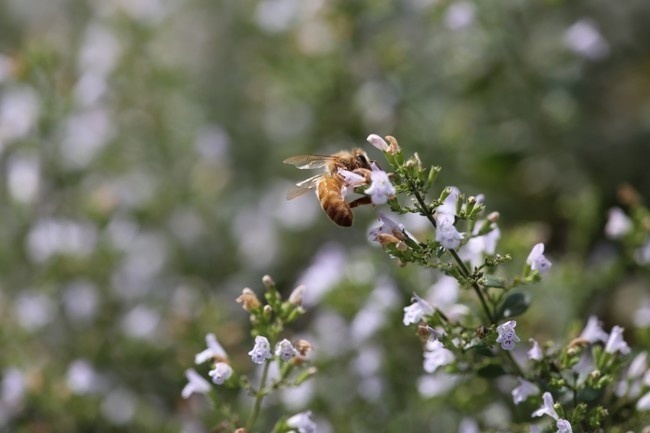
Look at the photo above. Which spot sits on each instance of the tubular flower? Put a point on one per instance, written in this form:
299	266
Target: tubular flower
261	351
507	336
414	312
380	190
195	384
537	260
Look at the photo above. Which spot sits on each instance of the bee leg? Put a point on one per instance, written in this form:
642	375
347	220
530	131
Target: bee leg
360	201
363	172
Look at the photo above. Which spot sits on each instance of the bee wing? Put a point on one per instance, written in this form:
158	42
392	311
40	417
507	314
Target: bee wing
309	161
302	187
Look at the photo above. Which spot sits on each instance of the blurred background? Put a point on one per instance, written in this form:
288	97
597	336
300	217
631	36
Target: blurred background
142	187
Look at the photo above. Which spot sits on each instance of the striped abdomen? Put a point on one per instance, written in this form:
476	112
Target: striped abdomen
332	201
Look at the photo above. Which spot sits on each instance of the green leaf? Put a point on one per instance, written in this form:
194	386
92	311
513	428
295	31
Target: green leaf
514	305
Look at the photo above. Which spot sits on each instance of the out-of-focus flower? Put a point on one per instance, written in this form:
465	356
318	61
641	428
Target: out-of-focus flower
249	300
81	377
468	425
261	351
618	224
477	246
378	142
536	259
535	352
615	342
285	350
220	373
12	387
195	384
381	189
214	351
436	355
447	235
303	422
444	295
506	335
563	426
296	296
459	15
584	39
642	254
642	315
644	402
594	331
524	390
414	312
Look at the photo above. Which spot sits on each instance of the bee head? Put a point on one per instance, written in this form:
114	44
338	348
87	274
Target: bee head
361	158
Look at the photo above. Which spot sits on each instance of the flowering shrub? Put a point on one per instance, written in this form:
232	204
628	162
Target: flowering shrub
588	382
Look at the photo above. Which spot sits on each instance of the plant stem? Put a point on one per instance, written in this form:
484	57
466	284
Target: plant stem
259	396
454	254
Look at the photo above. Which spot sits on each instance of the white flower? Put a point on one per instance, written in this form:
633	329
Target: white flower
644	402
547	407
220	373
537	261
351	179
524	390
642	315
584	39
563	426
261	351
448	207
378	142
414	312
593	331
195	384
535	352
618	224
214	350
447	234
477	246
436	356
390	227
285	350
380	189
638	366
615	342
302	422
444	295
507	336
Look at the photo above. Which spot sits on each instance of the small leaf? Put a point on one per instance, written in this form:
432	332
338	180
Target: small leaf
514	305
491	371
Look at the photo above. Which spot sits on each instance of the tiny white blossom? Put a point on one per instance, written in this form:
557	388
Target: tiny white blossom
535	352
642	254
220	373
594	331
447	235
214	350
414	312
618	224
378	142
537	260
195	383
642	315
380	190
563	426
303	422
615	342
644	402
448	207
638	366
285	350
261	351
547	407
390	227
436	355
524	390
507	336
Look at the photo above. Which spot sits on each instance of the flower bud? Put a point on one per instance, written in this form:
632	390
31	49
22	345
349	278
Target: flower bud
296	296
249	300
378	142
393	146
267	310
268	281
303	347
493	217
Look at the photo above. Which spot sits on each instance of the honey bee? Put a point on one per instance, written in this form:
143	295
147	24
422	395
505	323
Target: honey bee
330	185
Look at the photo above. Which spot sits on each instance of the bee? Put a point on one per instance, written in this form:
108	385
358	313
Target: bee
330	186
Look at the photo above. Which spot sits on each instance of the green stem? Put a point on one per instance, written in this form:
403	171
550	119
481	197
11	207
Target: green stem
259	396
454	254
